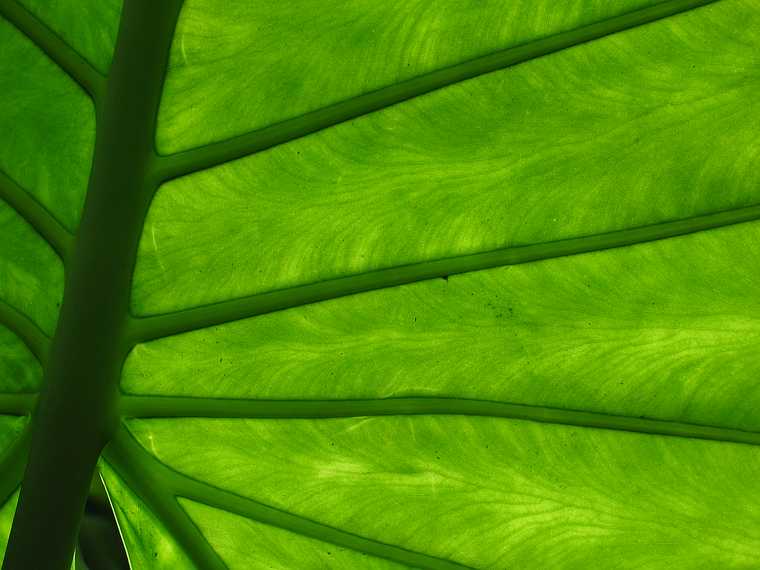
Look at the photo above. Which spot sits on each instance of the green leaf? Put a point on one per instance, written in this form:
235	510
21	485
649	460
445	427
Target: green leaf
52	122
6	518
386	285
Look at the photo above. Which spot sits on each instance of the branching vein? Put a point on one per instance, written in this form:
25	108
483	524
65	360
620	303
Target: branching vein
182	163
148	328
133	465
23	327
56	49
132	456
173	407
36	215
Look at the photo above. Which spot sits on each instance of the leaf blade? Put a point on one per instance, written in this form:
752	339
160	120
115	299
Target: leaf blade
53	127
496	493
462	178
393	42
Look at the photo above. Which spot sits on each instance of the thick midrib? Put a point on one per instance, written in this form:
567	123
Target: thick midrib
138	465
148	328
183	407
77	410
182	163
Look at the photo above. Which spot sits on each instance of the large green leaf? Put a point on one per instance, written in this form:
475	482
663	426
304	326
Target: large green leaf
382	285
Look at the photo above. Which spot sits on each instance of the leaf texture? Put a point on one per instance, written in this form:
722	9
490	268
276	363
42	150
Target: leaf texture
416	285
88	26
49	127
495	493
333	51
531	154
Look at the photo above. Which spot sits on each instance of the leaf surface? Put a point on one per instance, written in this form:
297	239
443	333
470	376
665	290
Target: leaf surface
495	493
464	285
88	26
300	56
148	539
49	124
272	547
10	436
530	154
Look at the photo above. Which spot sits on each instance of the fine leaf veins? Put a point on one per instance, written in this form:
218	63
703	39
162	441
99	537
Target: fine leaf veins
149	328
186	162
141	467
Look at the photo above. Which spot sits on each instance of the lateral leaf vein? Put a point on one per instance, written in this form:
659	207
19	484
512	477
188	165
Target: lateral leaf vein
143	329
181	485
73	64
180	407
207	156
36	216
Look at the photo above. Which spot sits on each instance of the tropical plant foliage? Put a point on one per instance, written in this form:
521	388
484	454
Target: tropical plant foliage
360	284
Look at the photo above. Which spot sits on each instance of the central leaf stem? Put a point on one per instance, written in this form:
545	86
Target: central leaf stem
77	411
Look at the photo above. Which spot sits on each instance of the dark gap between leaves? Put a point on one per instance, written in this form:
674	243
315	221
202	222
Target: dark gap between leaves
100	543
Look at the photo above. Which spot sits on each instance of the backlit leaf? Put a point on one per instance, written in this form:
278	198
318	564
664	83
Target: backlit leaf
445	285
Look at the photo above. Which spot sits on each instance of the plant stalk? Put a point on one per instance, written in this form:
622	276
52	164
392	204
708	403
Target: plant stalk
77	411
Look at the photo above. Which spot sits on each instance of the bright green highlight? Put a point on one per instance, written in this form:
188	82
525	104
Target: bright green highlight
645	126
244	544
32	274
19	369
10	430
663	329
89	26
562	146
6	519
147	541
48	126
485	492
276	60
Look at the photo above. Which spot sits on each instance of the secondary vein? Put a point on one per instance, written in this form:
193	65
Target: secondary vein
20	404
176	407
182	163
23	327
147	328
36	215
181	485
129	461
78	68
